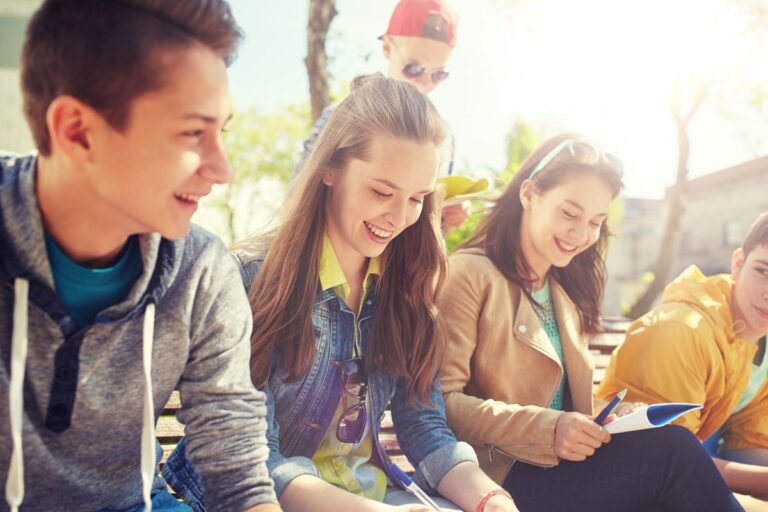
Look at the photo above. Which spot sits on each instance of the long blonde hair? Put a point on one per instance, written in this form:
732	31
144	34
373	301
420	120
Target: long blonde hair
406	341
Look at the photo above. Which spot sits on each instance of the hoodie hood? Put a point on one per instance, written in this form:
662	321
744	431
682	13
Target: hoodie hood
709	296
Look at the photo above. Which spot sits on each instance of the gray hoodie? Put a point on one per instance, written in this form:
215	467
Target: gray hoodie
82	415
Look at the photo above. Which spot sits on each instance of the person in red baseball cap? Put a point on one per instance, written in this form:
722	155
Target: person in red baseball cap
418	42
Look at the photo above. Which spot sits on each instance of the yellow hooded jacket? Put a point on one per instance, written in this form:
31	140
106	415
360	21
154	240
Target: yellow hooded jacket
689	350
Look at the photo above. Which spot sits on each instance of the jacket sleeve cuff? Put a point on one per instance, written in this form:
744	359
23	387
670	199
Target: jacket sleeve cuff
434	466
286	470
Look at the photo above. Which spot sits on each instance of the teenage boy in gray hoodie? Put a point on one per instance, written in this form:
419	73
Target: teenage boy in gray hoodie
108	299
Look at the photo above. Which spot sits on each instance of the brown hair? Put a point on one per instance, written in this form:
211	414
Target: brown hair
406	341
583	279
105	52
757	235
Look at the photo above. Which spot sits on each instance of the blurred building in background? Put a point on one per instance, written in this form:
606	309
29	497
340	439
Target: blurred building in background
719	209
632	252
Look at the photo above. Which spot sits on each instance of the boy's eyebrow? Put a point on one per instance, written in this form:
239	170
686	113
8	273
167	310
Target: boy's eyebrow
204	118
762	262
581	208
392	185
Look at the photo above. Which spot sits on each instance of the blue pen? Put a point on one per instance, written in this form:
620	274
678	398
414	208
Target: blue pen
409	485
610	407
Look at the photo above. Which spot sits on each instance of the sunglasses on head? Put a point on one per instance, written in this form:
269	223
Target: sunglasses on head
581	149
354	382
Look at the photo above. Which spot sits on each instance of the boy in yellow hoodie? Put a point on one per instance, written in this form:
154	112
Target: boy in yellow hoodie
706	344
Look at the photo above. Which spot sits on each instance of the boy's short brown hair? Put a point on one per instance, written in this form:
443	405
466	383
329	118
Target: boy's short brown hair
107	52
757	235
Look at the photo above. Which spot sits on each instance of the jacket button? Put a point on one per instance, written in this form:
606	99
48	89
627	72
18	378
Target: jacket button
522	328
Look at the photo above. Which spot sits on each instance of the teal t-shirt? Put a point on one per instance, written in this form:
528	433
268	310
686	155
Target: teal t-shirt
546	314
86	291
759	373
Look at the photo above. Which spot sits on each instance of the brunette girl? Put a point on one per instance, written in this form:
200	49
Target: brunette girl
520	300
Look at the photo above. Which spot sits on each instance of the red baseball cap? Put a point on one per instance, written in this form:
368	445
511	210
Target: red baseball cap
433	19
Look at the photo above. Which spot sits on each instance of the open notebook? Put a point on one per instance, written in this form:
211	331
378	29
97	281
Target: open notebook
650	416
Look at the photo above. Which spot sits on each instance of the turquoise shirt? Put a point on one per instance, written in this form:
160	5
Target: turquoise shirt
756	379
759	373
86	291
546	314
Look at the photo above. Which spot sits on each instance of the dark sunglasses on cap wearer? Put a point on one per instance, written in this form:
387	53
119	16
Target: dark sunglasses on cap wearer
414	70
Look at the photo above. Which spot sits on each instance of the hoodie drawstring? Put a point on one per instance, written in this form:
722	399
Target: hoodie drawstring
148	421
14	484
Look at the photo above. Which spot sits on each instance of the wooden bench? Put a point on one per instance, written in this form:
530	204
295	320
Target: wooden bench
169	430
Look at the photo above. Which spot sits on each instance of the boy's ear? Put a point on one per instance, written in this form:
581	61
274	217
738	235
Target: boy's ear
737	262
69	125
386	46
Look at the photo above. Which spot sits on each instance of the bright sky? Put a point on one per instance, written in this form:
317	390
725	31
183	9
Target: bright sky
605	68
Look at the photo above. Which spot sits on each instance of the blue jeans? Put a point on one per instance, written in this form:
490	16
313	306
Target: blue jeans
662	469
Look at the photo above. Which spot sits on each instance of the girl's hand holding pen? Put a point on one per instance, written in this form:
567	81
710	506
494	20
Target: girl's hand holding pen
577	436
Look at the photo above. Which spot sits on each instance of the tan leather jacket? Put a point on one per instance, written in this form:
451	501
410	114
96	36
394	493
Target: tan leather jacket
500	371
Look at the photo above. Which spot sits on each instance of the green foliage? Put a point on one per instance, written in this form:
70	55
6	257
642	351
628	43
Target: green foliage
263	148
521	140
262	145
459	235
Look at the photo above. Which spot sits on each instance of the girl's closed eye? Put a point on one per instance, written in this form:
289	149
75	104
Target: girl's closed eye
569	214
379	193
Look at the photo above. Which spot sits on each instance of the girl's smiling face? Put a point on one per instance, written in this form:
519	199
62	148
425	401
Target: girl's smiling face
562	222
371	202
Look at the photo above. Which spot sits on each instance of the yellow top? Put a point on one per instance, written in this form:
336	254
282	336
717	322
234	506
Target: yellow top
332	276
346	465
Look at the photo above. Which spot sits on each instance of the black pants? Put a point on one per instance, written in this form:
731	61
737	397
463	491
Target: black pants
663	469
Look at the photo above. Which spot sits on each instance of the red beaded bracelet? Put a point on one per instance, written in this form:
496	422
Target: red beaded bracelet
496	492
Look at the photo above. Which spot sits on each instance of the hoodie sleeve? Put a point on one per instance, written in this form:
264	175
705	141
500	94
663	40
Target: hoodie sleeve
665	360
225	416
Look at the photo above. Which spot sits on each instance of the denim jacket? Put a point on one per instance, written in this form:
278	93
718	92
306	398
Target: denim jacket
299	413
